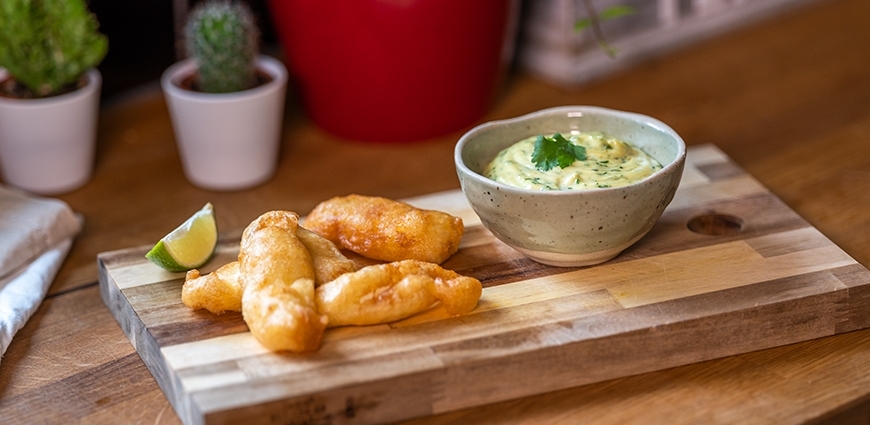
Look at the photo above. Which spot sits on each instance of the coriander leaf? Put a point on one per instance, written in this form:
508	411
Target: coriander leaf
556	151
579	151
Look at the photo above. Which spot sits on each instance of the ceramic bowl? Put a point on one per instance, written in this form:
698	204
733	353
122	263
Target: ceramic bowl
570	228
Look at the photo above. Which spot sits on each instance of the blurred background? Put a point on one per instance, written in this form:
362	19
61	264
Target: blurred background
144	38
144	34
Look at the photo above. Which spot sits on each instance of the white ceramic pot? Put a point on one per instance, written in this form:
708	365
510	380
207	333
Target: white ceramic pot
227	141
47	145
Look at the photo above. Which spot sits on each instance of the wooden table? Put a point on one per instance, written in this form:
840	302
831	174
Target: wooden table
788	99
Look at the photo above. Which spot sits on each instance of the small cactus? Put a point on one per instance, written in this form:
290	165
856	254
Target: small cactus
47	45
222	38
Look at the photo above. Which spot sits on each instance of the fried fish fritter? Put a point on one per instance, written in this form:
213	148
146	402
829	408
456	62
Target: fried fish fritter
217	292
384	293
277	275
280	265
387	230
221	290
329	262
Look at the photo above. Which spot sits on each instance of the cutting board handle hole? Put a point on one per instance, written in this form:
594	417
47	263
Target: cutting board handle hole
715	224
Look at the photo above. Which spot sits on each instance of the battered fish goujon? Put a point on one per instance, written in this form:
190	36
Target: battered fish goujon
277	275
221	290
386	230
217	292
280	264
384	293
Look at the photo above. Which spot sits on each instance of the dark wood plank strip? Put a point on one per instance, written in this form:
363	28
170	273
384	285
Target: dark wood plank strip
370	401
854	312
170	322
717	171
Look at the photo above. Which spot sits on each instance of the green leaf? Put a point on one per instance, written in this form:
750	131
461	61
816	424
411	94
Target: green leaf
556	151
594	21
615	12
609	13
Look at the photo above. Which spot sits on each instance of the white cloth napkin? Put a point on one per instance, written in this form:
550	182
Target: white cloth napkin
35	236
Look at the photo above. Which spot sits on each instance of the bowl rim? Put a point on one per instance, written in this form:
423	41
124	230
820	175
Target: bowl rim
463	141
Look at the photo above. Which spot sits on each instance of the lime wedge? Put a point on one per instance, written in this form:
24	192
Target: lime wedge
190	245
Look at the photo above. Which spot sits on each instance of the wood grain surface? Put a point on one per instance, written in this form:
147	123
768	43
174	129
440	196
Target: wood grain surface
728	269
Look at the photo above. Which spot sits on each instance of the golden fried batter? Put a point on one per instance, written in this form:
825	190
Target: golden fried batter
385	293
217	292
280	265
277	276
386	230
221	290
329	262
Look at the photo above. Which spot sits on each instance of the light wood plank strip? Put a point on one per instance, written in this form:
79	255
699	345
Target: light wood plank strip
146	273
374	341
717	191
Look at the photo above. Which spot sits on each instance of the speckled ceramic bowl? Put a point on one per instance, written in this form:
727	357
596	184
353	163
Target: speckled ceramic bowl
577	227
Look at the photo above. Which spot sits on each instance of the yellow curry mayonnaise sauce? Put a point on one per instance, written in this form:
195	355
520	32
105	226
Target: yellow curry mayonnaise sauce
609	163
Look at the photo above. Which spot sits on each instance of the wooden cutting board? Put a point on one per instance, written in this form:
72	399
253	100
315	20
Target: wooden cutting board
728	269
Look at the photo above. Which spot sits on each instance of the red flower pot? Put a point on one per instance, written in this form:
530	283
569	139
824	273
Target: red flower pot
396	70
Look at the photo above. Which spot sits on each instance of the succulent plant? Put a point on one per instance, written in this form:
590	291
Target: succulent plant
223	39
48	45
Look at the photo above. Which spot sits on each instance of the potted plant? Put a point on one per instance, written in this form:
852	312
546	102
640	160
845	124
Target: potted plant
226	100
49	93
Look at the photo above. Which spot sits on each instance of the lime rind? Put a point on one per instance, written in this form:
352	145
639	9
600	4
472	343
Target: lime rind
190	245
159	256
